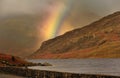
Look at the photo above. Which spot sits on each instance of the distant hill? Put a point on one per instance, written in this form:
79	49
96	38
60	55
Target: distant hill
18	34
100	39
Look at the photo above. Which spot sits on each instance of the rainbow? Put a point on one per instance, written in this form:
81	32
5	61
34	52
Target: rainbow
55	21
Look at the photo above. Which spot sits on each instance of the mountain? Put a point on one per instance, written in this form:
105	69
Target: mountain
18	34
101	39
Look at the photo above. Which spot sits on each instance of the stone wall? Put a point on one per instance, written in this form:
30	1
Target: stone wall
29	73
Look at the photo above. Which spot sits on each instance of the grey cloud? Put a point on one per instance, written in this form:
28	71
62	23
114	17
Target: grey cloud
8	7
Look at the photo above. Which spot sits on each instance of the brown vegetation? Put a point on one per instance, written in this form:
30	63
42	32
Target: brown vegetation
9	60
100	39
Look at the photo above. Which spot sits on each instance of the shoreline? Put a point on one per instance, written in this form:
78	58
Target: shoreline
31	73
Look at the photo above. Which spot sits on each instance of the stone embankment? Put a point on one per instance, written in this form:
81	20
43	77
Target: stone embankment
29	73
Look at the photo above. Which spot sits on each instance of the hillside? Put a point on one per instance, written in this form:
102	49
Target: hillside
9	60
100	39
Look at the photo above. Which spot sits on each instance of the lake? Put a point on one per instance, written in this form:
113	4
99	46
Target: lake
82	66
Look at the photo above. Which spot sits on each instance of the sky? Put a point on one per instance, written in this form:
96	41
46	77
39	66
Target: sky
25	24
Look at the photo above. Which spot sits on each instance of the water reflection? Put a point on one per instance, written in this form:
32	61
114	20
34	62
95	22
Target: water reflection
89	66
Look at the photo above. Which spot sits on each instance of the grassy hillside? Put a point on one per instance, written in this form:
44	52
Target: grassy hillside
98	40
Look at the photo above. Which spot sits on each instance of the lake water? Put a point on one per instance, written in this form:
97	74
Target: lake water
82	66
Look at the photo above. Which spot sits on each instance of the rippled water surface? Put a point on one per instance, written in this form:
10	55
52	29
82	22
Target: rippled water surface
85	66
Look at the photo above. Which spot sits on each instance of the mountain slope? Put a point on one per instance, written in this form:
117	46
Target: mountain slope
100	39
